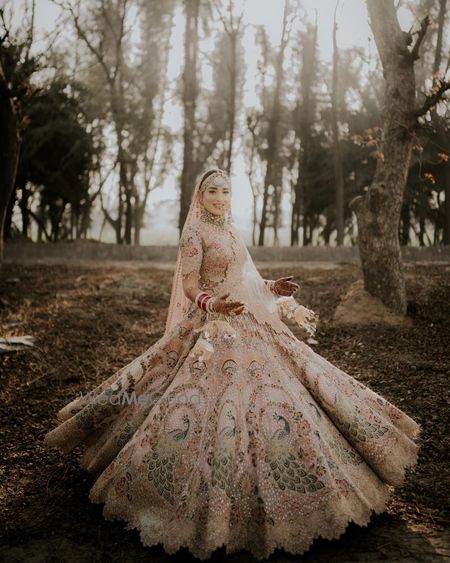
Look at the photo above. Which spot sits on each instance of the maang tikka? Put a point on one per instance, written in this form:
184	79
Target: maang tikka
218	179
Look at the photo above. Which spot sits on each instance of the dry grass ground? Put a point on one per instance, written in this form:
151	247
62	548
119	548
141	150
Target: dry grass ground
90	319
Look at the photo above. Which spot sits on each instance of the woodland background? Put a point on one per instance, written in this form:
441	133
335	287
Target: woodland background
92	97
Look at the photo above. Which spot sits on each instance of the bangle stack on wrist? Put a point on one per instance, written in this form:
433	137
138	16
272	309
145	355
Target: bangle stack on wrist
201	299
204	301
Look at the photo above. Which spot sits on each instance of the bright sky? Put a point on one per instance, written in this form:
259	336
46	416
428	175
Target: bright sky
353	30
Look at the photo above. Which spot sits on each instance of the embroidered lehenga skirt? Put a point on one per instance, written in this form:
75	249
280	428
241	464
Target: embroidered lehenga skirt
264	444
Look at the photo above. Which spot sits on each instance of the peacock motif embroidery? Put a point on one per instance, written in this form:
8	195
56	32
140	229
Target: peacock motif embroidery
161	460
285	465
223	463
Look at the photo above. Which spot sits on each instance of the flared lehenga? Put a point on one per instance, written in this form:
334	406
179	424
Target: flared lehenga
263	445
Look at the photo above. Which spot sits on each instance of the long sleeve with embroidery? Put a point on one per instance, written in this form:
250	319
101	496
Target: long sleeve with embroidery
191	260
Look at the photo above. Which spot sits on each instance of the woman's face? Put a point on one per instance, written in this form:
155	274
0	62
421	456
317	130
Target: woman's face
217	199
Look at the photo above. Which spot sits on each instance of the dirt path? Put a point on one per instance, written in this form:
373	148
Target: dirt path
91	319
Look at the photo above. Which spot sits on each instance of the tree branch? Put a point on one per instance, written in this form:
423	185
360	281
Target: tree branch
424	24
68	8
30	36
40	223
432	100
5	26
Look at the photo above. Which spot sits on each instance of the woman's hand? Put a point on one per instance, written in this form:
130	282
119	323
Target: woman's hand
283	286
220	305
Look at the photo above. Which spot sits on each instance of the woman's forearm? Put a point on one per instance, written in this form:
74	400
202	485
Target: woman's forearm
270	285
192	287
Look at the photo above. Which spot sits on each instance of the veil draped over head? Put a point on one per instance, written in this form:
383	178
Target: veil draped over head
178	300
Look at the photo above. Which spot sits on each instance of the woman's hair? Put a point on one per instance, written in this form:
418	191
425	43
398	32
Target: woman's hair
206	174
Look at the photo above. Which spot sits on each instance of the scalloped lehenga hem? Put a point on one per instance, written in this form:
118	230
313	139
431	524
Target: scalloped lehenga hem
172	549
363	521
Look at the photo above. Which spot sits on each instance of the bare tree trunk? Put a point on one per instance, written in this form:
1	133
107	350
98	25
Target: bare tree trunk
441	21
84	221
443	137
305	118
129	189
406	225
272	135
232	30
9	151
189	104
138	221
7	229
25	210
328	226
307	231
276	214
296	211
378	211
337	161
421	228
232	109
117	111
439	124
153	140
252	122
40	217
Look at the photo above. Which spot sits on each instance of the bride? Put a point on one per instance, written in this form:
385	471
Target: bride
229	430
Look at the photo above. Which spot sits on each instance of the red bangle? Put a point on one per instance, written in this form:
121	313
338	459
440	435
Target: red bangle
200	296
203	300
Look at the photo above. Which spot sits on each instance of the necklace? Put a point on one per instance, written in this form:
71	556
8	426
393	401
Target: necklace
218	221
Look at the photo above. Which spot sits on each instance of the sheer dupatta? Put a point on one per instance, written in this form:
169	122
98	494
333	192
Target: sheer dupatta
179	303
252	289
